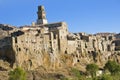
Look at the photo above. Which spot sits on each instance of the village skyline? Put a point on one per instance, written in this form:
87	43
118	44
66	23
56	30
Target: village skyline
81	16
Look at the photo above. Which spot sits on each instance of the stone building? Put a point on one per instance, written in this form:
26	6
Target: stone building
29	45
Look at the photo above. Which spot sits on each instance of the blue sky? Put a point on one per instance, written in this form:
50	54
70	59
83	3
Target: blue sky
90	16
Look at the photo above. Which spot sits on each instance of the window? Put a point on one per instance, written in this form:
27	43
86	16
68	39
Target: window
85	45
19	49
15	39
39	31
54	36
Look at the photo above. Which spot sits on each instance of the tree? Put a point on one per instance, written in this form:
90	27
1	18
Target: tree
92	69
113	67
17	74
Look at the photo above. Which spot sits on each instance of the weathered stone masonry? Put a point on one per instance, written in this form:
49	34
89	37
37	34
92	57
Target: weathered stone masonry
42	44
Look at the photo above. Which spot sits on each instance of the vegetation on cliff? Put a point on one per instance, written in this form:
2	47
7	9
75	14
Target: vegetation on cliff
92	69
17	74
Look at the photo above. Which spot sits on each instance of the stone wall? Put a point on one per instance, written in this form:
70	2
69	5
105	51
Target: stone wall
43	45
52	46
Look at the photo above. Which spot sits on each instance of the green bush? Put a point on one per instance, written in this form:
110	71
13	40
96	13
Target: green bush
76	72
92	69
17	74
116	76
106	77
113	67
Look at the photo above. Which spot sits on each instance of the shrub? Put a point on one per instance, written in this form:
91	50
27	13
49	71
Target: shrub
106	77
92	69
76	72
113	67
17	74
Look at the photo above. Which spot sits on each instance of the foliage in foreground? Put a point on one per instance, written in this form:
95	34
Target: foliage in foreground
17	74
106	77
77	75
113	67
92	69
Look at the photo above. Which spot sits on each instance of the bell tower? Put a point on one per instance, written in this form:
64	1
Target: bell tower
41	15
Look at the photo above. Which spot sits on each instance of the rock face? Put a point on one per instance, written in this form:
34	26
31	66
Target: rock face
52	46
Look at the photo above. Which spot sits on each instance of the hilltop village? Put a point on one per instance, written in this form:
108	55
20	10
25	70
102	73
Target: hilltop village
51	45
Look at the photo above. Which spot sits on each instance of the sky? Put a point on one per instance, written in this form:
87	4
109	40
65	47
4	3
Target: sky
90	16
